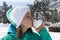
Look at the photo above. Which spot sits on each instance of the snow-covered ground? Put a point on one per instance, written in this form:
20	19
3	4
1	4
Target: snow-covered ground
55	35
4	30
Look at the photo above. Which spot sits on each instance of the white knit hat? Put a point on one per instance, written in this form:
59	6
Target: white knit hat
17	15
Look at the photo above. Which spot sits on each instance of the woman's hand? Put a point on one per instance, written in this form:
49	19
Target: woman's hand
40	27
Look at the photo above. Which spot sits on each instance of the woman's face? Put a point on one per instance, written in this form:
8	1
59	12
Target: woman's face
27	21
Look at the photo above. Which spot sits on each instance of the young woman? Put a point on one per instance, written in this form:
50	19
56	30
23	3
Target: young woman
21	23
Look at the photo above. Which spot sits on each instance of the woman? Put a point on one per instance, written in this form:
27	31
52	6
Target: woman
21	23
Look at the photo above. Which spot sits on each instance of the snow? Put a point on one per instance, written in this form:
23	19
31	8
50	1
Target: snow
55	35
4	30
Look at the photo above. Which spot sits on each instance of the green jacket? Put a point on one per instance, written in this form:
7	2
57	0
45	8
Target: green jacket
44	35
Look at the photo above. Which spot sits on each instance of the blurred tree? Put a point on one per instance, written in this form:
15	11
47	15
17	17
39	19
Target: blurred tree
5	9
41	6
10	6
54	15
5	6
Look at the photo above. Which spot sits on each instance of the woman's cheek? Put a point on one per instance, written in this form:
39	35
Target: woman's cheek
28	23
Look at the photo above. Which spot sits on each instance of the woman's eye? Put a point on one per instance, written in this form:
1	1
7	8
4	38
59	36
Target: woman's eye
28	16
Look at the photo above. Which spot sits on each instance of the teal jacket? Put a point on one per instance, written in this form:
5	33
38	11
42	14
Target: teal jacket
44	35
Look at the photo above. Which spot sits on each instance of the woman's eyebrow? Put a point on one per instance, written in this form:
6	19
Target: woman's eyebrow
27	14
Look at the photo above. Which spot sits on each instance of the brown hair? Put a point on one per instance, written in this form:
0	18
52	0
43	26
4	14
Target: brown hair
19	32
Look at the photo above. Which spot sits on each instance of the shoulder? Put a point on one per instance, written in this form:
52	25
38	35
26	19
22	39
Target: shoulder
9	37
5	37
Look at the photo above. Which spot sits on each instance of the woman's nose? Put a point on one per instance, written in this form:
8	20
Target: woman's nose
30	17
32	21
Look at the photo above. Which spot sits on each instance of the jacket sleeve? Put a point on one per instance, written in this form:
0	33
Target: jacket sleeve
44	34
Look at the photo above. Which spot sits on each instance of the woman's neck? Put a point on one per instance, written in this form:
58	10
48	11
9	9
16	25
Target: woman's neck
24	29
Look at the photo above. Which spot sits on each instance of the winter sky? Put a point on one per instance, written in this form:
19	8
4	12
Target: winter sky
17	2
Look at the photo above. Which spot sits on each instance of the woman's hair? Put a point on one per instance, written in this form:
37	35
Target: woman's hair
19	32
